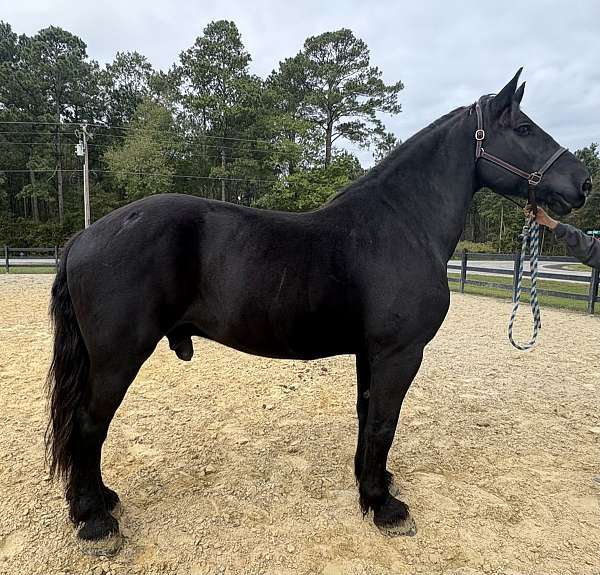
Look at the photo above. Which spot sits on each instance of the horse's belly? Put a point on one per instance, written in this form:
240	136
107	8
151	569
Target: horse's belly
277	335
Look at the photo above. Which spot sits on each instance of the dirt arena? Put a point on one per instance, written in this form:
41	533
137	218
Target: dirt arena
236	464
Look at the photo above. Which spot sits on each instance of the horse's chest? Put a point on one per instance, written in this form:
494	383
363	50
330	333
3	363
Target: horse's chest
411	309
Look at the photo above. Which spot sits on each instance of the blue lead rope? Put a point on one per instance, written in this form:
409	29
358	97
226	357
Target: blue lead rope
531	241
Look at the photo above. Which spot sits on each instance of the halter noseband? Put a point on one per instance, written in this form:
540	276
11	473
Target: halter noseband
533	178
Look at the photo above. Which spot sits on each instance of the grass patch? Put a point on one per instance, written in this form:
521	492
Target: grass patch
29	270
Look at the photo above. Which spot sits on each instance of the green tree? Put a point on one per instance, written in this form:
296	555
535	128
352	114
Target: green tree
218	93
588	217
296	138
206	126
145	163
22	99
58	61
385	144
125	83
342	92
503	221
308	189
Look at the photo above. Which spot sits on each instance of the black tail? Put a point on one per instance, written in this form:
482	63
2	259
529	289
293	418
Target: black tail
67	376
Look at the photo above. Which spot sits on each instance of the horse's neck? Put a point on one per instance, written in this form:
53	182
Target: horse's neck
428	185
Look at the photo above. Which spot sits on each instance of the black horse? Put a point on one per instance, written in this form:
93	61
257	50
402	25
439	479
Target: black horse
365	274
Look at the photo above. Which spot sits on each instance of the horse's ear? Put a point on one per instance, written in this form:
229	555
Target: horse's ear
504	98
519	93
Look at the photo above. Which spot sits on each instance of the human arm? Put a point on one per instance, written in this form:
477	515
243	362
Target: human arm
585	248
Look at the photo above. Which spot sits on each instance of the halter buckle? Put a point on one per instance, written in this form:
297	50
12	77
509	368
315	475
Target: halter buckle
479	135
534	178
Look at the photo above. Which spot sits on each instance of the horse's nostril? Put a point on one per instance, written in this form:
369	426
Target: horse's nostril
587	186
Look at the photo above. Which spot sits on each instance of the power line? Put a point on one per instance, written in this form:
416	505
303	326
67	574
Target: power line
156	175
34	144
124	128
173	141
150	130
30	122
21	133
189	145
204	156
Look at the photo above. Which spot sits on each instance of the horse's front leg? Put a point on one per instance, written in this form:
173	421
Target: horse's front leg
391	375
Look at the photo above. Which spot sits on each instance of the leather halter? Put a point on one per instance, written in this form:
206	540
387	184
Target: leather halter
533	178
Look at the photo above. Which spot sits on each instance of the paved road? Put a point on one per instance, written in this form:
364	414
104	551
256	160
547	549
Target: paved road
546	267
28	261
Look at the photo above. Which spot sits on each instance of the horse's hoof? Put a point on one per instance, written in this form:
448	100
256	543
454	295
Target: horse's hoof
393	519
406	527
106	547
100	536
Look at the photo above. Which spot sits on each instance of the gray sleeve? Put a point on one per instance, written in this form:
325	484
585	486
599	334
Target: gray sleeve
585	248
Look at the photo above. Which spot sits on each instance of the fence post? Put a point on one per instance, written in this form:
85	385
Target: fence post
7	262
463	271
593	293
56	259
516	275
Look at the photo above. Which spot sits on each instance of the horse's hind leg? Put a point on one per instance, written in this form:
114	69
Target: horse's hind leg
90	501
363	380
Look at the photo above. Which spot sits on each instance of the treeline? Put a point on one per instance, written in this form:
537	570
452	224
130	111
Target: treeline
206	126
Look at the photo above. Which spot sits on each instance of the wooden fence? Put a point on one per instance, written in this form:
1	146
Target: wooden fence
31	258
462	266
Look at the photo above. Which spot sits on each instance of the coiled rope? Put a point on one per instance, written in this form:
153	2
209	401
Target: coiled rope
531	241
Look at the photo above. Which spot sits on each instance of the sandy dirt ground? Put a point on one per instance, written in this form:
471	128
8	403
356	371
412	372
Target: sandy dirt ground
236	464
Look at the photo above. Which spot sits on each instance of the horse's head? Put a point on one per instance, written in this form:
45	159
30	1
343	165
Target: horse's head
512	137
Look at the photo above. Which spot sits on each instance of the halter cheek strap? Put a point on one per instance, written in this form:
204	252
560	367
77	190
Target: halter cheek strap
533	178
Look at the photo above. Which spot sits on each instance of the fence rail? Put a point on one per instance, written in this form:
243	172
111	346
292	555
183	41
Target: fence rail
463	268
50	257
31	258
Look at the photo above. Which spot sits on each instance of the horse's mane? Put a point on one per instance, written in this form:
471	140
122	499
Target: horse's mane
391	159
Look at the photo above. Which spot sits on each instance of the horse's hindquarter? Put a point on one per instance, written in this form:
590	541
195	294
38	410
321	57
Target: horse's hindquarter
133	273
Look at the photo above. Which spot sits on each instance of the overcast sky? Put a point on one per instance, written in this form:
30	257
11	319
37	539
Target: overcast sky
446	53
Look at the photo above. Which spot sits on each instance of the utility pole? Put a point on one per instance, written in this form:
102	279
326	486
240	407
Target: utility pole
501	226
223	198
82	150
86	178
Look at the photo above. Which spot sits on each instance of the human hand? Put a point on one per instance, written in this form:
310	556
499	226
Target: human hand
541	217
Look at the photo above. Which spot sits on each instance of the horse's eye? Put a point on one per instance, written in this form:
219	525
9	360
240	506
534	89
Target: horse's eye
523	129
